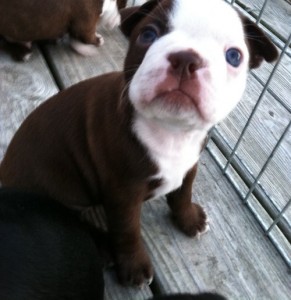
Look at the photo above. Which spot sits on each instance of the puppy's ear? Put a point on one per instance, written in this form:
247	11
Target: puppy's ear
132	15
260	46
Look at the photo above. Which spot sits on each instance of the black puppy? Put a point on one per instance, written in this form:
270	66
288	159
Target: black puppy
46	252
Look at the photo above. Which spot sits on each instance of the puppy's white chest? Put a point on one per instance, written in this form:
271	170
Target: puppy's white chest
173	168
174	152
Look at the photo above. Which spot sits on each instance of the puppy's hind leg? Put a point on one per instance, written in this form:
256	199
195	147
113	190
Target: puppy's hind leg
84	48
84	39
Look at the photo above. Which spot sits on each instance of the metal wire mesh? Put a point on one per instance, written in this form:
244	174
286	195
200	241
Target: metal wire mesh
253	146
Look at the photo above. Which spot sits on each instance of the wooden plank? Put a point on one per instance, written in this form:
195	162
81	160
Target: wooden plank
71	67
23	86
233	258
277	14
280	84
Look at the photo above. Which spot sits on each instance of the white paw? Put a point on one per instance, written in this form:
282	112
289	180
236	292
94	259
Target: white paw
206	229
86	49
101	39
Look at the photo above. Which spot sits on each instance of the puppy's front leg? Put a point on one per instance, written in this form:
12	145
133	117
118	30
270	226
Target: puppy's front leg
132	261
189	217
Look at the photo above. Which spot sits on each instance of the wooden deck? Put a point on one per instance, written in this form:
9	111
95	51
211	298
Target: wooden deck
234	258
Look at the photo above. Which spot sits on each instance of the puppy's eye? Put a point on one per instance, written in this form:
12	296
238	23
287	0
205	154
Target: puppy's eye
233	57
148	35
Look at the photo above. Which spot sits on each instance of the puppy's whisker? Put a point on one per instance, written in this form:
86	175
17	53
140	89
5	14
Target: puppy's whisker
252	36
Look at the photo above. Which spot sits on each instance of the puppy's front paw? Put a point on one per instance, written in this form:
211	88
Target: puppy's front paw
99	39
192	221
135	269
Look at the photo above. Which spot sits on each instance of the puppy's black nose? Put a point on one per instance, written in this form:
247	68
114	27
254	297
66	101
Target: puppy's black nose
185	63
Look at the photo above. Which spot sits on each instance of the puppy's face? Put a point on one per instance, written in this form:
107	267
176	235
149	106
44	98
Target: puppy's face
187	62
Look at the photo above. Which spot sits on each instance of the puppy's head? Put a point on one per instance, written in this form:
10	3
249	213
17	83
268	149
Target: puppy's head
188	60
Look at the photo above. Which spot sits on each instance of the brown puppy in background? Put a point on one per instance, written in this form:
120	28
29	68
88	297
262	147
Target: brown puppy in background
125	137
25	21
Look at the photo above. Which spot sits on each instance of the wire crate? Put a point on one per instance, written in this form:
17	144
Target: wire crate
253	145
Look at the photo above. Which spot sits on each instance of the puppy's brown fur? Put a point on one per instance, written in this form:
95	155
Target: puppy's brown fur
85	155
79	148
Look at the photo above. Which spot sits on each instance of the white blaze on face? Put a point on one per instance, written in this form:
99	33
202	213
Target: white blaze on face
209	28
171	125
110	16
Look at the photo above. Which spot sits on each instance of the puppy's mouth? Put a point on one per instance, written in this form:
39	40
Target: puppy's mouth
178	101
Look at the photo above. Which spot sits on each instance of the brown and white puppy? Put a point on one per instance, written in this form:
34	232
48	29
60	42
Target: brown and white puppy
25	21
125	137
